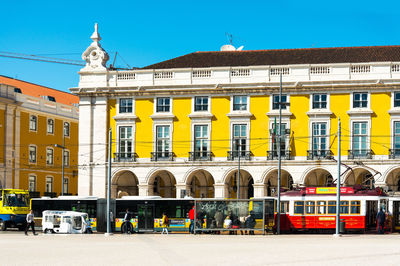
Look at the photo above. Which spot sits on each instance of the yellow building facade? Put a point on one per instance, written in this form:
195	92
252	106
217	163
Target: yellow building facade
36	122
206	124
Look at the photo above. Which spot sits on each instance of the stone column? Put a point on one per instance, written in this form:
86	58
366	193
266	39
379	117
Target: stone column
259	190
180	187
144	189
220	190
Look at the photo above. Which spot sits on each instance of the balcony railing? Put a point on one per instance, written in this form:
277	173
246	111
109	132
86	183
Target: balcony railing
359	154
232	155
319	154
125	157
50	194
394	153
162	156
200	156
34	194
273	155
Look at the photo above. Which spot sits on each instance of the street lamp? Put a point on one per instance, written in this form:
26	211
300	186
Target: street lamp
62	162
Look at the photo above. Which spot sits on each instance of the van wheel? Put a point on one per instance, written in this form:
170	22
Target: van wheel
48	231
3	225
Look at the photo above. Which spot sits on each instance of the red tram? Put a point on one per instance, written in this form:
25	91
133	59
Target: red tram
314	208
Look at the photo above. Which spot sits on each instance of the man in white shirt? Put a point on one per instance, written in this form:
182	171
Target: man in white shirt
30	222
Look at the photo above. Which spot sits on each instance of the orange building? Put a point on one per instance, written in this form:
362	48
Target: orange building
36	125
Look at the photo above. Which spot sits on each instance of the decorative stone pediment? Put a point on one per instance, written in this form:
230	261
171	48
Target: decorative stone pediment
95	56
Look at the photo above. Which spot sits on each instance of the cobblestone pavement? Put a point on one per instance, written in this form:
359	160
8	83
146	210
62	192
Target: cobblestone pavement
179	249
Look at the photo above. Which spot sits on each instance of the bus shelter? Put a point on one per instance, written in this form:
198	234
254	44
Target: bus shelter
213	215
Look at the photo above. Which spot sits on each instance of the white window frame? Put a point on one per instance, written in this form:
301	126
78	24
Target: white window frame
392	99
53	126
31	123
65	182
320	136
194	104
118	106
155	125
67	162
206	123
132	126
328	103
271	103
271	126
368	99
52	156
34	182
51	186
247	103
234	121
156	103
69	129
358	120
29	154
392	129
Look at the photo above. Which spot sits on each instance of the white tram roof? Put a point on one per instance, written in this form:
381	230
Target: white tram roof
64	213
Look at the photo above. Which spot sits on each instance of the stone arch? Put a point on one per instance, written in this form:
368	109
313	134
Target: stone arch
246	182
270	181
200	184
317	177
162	183
359	176
124	183
392	179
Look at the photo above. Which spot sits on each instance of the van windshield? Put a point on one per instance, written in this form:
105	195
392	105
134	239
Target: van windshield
15	200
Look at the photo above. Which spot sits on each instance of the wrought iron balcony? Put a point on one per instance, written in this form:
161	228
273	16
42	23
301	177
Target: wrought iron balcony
200	156
319	154
162	156
34	194
50	194
394	153
125	157
359	154
273	155
232	155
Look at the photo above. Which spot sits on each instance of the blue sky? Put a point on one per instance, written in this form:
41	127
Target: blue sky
146	32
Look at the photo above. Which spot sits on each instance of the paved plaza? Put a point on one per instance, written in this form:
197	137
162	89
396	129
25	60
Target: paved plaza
180	249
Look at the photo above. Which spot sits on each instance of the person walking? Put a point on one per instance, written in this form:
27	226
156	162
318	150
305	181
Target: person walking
30	222
127	222
191	218
380	221
164	223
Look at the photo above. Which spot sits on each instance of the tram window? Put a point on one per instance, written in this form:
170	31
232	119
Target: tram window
299	207
331	207
321	207
355	207
344	207
310	207
284	207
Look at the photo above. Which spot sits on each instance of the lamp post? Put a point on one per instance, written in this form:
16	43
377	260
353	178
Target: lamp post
62	162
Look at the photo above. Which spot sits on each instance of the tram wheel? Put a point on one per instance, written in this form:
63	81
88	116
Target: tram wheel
3	225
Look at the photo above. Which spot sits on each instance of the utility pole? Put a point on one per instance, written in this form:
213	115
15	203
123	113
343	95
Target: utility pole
109	184
338	182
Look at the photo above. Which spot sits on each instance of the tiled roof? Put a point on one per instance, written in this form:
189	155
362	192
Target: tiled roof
283	57
35	90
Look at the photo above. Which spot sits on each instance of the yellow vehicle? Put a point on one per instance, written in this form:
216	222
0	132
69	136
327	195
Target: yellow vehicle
14	206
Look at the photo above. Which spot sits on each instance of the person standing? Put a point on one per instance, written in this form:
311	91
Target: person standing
164	223
30	222
380	221
191	218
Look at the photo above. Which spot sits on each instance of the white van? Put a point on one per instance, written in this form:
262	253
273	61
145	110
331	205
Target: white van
66	222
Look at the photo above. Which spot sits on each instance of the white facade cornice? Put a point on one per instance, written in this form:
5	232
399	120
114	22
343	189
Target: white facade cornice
239	114
276	113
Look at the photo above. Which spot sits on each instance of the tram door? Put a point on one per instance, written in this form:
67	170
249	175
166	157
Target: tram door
396	215
146	217
370	214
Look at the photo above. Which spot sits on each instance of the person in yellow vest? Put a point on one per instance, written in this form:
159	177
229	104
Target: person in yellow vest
164	223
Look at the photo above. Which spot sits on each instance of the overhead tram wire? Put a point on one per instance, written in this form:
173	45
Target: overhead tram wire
41	58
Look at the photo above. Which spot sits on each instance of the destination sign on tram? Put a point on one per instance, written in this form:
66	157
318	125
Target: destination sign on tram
329	190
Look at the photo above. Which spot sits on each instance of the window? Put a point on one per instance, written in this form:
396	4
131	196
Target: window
125	105
310	207
284	207
396	100
331	207
49	184
163	104
50	126
360	135
239	103
319	101
33	123
201	103
66	129
163	142
49	156
239	140
32	154
355	207
344	207
66	158
274	138
299	207
360	100
200	141
275	102
125	142
66	185
17	90
319	138
321	207
32	183
396	137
